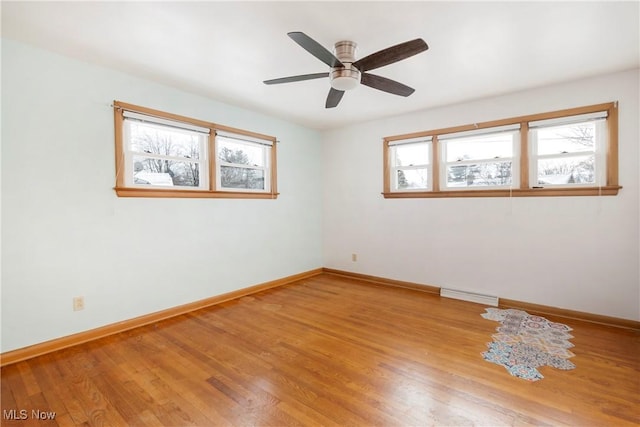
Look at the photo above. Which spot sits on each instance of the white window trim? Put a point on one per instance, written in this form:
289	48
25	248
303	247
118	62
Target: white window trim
266	147
514	159
428	166
599	150
129	154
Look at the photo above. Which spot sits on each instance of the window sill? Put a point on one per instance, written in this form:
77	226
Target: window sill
191	194
531	192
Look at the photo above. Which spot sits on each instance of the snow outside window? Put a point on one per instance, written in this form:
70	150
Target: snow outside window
410	165
569	154
163	153
479	160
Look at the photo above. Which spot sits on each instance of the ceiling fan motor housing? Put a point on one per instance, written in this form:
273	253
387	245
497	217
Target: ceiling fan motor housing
347	77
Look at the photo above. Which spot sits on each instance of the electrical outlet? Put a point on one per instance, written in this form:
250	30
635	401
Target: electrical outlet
78	303
354	257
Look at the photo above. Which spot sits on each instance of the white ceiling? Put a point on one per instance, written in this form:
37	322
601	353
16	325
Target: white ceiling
224	50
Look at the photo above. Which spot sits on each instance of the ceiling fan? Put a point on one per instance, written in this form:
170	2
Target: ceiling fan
346	73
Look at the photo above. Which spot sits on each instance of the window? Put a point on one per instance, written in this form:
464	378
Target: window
570	152
164	155
242	162
480	159
410	161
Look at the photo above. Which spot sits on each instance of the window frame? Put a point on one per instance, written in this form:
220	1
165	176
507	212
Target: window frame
396	168
523	156
599	149
243	141
513	159
177	127
124	188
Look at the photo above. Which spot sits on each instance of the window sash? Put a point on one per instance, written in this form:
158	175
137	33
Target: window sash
395	168
265	147
237	137
396	184
394	153
568	120
479	132
599	152
470	186
419	140
146	175
175	124
265	178
445	165
130	154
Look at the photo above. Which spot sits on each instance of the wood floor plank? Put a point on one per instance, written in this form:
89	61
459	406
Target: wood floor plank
330	351
55	384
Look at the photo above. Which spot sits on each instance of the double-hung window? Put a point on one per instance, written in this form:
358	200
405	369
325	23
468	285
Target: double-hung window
164	153
411	164
569	151
572	152
161	154
243	163
480	159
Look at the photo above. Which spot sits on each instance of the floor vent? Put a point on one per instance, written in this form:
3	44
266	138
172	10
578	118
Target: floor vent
469	296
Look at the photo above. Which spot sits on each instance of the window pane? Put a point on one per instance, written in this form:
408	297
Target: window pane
240	153
412	179
246	178
155	139
567	138
162	172
479	147
412	154
479	175
567	170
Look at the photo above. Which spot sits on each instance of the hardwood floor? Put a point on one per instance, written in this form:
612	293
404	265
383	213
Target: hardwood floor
323	351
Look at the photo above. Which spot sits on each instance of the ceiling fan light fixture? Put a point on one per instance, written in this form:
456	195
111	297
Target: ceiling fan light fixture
345	78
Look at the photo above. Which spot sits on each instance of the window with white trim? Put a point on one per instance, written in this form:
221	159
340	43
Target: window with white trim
160	154
572	152
410	164
569	151
243	163
164	153
480	159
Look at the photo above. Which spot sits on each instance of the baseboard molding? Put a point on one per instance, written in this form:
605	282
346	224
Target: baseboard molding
384	281
25	353
29	352
570	314
503	303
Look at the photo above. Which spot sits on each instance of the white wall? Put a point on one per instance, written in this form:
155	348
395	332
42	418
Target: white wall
65	233
579	253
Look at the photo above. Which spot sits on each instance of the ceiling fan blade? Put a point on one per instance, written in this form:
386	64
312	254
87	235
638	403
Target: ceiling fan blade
386	85
333	98
315	49
296	78
390	55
